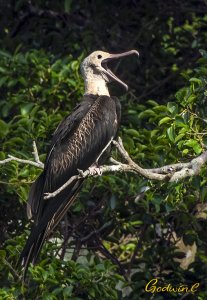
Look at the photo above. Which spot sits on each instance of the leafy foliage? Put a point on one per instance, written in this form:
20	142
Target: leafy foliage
120	218
57	279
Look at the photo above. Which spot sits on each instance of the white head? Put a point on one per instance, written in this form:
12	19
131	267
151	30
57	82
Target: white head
96	73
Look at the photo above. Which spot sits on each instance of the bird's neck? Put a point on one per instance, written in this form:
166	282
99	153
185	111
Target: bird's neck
96	86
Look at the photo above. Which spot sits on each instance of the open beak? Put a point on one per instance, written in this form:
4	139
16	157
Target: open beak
111	57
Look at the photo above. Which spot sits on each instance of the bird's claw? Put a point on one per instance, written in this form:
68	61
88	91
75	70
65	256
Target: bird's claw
95	171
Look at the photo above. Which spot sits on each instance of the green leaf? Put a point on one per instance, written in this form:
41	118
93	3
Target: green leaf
3	80
154	133
203	53
181	94
179	137
164	120
128	142
3	70
26	108
132	132
146	114
152	103
191	98
172	108
185	151
2	254
4	129
5	54
171	134
23	192
195	145
180	122
197	149
196	80
67	291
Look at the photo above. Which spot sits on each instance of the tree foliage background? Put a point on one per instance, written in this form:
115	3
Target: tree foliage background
123	230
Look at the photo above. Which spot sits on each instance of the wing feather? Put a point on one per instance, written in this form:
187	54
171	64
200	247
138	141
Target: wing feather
80	149
77	143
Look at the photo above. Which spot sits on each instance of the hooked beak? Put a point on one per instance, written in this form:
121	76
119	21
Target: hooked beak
111	57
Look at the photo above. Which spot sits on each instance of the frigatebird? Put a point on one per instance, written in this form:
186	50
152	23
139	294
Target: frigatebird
77	144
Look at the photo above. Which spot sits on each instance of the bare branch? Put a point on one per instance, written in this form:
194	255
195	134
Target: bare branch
104	169
171	173
114	161
73	178
133	167
12	270
37	163
36	155
170	168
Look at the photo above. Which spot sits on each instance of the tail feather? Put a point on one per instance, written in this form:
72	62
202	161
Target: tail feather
35	197
51	217
30	256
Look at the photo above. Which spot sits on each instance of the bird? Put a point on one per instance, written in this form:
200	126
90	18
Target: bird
78	143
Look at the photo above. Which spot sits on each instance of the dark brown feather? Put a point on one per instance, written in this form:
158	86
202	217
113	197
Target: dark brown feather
76	144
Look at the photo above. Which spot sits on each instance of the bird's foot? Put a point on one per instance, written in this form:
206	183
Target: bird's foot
95	170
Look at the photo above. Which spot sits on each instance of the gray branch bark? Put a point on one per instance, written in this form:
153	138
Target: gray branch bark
37	163
170	173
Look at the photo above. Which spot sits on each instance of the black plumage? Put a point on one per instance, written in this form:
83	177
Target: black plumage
76	144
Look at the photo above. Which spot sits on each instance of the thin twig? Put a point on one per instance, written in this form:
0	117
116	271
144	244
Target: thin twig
37	163
138	246
23	161
36	155
113	258
12	270
171	173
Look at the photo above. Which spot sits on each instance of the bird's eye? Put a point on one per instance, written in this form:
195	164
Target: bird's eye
99	56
